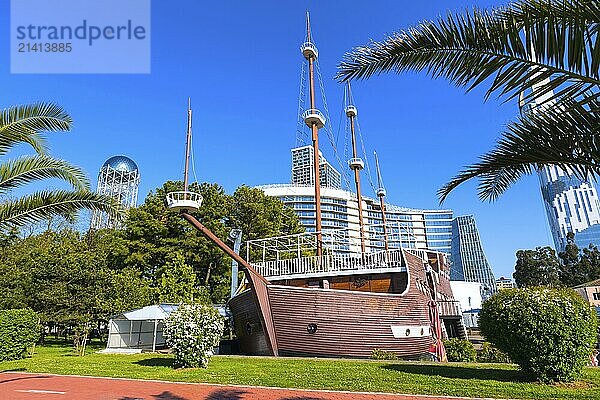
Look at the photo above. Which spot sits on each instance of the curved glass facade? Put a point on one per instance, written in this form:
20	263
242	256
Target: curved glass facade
571	206
407	227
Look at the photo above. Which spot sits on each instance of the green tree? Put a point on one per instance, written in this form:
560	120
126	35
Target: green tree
25	125
578	266
539	267
569	258
19	331
67	278
153	233
177	282
586	269
260	216
526	49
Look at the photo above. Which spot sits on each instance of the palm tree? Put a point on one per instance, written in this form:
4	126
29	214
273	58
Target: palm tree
25	124
545	52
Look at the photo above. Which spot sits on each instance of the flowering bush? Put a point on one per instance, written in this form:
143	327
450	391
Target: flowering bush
550	333
192	331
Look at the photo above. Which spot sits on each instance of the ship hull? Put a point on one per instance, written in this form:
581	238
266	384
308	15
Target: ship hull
334	323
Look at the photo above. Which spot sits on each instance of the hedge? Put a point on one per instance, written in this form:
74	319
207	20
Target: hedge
490	354
549	333
460	350
19	330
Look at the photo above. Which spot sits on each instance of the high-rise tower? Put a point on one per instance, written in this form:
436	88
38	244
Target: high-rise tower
571	203
303	170
571	206
119	178
468	259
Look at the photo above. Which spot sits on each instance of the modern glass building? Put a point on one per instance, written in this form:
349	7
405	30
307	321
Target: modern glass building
303	171
468	260
571	206
407	227
571	203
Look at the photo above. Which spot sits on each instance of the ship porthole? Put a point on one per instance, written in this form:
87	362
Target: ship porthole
422	331
407	332
311	328
248	328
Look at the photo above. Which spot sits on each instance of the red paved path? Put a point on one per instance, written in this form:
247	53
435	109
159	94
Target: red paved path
18	386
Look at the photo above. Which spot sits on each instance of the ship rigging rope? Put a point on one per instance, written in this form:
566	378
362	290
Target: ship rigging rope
328	125
301	131
192	157
362	145
337	136
348	99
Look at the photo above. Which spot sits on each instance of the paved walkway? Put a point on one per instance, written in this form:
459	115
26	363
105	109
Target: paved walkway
17	386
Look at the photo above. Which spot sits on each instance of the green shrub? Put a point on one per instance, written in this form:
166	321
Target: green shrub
548	332
193	331
19	330
460	350
378	354
490	354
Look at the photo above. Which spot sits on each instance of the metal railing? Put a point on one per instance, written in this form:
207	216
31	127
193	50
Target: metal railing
313	112
351	110
449	308
176	199
356	161
309	47
326	264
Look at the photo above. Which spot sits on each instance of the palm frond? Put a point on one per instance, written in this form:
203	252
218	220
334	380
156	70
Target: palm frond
25	124
43	205
566	136
26	169
514	48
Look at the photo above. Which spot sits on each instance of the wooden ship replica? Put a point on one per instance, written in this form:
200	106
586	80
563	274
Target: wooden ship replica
305	296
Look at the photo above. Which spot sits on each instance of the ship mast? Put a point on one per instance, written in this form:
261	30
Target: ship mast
315	120
381	194
188	144
355	163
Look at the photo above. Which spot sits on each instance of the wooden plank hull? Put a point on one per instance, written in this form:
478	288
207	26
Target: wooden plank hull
351	320
348	324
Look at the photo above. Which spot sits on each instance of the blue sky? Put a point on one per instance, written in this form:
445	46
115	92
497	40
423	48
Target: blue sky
240	63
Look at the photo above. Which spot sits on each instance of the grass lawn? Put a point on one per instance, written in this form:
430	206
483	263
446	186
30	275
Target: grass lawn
475	380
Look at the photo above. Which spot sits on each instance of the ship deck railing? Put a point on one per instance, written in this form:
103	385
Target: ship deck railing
449	308
333	241
332	265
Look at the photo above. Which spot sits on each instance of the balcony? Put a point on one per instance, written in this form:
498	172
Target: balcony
356	163
351	111
312	116
309	50
184	201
